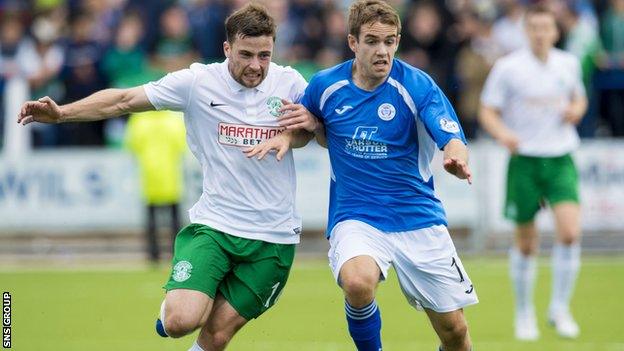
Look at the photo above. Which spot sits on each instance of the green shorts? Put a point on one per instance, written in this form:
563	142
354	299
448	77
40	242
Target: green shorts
250	274
533	180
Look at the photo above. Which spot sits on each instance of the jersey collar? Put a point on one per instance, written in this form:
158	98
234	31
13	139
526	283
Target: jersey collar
235	86
539	62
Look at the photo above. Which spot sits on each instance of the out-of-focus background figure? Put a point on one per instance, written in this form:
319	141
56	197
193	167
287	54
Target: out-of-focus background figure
157	140
535	120
174	49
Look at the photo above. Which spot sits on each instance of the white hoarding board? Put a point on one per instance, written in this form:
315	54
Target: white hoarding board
69	190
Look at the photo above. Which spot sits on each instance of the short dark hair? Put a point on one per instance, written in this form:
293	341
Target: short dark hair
251	20
539	9
370	11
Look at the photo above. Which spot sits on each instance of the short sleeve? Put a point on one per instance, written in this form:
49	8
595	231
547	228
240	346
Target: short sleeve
171	92
311	98
298	87
439	117
495	89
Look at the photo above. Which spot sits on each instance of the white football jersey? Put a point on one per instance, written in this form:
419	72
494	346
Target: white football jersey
532	96
241	196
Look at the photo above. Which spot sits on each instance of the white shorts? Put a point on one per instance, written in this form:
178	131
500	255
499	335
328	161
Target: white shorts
430	273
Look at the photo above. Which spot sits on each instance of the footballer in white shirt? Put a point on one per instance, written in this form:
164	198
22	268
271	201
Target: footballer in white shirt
531	103
232	262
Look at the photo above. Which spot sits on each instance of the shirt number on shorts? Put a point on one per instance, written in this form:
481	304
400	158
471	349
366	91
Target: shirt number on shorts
274	287
461	276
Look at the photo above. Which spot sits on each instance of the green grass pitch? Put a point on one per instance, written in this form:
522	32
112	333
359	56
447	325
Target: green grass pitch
108	309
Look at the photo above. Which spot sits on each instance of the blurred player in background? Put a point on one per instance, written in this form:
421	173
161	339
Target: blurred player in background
382	121
532	101
157	140
232	262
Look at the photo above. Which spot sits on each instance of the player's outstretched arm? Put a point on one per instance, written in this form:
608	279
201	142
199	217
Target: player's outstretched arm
100	105
281	143
456	160
490	120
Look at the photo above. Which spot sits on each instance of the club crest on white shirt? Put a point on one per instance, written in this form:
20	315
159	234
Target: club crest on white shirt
449	126
386	111
274	103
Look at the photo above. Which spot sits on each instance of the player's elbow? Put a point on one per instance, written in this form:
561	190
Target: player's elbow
321	140
584	105
133	100
484	114
301	138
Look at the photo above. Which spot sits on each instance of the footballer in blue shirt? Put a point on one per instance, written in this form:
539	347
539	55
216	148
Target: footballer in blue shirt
382	121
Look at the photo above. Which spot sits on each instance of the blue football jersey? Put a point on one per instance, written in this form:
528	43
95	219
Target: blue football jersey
381	144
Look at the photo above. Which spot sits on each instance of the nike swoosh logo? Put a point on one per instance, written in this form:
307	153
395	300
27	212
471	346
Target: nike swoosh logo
343	109
212	104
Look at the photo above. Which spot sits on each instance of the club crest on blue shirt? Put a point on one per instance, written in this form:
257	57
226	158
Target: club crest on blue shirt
449	126
386	111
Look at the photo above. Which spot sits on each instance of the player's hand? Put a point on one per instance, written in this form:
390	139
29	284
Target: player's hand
279	143
510	141
44	110
458	168
296	116
572	115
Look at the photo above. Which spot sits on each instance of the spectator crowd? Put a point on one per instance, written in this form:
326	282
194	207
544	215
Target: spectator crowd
70	49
